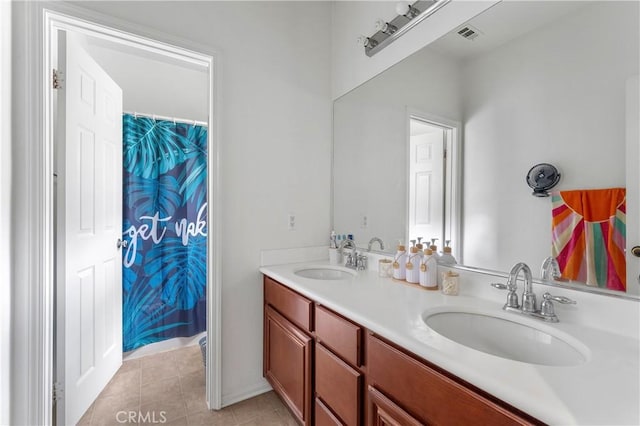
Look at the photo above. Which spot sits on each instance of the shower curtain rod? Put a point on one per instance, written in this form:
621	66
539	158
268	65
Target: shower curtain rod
164	117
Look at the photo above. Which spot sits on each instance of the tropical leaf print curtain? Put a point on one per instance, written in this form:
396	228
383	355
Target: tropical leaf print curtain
165	226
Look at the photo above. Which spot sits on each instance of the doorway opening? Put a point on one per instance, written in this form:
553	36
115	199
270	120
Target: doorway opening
114	50
433	195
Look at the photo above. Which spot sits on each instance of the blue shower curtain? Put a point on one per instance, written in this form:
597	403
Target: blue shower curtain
165	226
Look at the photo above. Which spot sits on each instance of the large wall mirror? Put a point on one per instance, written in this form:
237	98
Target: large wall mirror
537	82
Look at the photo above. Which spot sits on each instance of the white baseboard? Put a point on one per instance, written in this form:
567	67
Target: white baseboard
249	392
163	346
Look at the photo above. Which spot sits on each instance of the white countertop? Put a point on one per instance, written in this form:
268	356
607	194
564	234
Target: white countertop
605	390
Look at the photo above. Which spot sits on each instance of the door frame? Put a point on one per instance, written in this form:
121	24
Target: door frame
5	211
452	179
41	21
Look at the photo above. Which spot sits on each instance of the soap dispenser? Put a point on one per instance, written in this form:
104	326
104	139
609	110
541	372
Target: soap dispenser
447	258
429	271
434	249
399	263
413	266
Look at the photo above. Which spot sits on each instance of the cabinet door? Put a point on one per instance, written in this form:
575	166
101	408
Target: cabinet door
383	412
288	363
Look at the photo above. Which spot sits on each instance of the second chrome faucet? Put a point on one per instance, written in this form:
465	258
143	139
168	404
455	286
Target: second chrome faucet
529	303
375	240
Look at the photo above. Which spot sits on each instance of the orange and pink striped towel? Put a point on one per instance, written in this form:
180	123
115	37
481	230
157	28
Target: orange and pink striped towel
588	241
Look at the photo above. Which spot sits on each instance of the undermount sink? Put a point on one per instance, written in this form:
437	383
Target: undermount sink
325	273
508	339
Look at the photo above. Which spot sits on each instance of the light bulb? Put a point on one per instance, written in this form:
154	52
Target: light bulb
365	41
385	27
402	7
405	9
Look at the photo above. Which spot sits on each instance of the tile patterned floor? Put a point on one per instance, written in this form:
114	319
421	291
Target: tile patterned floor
169	388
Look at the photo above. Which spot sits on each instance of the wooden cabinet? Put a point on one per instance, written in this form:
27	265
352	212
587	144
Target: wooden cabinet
427	395
330	371
288	363
288	349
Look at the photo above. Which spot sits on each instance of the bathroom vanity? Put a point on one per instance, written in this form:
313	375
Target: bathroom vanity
353	348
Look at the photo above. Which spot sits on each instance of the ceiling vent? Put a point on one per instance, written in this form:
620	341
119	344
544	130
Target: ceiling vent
469	32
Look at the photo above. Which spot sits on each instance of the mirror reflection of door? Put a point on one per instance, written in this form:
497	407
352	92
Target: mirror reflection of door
427	179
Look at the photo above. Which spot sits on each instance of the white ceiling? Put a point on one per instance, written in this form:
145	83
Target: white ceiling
503	22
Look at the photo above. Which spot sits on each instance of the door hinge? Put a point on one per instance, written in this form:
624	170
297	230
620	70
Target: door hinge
58	391
445	153
56	79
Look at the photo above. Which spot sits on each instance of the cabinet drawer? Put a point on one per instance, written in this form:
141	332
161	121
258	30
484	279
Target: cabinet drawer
341	336
383	412
338	386
428	395
324	416
296	308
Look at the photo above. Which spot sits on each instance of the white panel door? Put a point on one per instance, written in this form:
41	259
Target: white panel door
426	184
89	216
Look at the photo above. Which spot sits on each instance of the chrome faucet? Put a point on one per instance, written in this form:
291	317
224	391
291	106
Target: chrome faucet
374	240
346	243
528	297
550	269
354	260
351	258
529	303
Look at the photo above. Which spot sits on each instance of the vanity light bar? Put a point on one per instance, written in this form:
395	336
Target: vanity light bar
418	12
